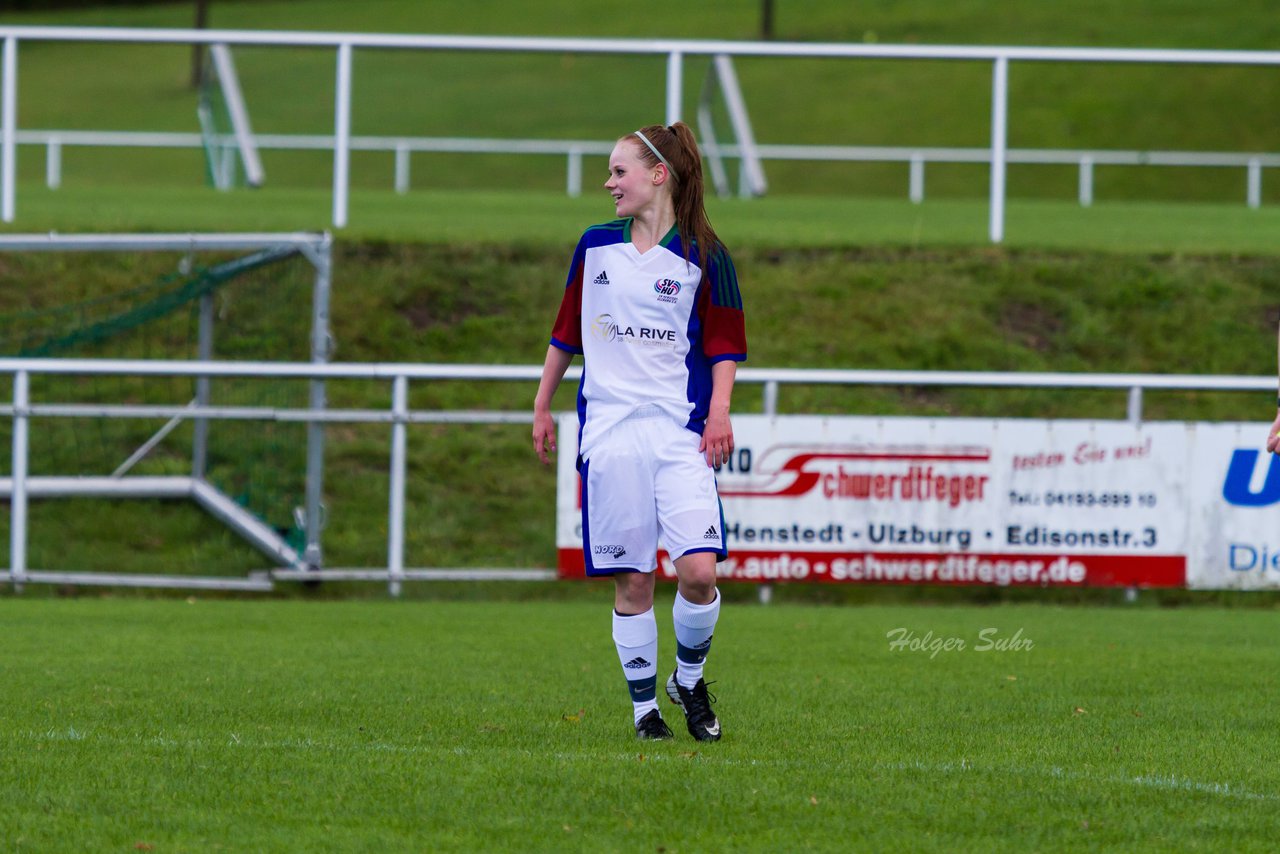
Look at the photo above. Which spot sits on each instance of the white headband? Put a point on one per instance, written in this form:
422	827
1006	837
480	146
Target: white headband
656	152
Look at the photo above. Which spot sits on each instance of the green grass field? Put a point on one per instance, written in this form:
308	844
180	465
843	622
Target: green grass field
468	726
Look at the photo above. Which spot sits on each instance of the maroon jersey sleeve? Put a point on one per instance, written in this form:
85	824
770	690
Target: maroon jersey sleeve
567	331
724	329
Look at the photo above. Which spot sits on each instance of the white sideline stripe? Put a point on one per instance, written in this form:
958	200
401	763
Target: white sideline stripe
1159	781
178	582
442	574
1169	782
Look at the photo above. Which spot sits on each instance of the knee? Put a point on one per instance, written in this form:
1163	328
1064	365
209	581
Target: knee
698	582
633	593
699	593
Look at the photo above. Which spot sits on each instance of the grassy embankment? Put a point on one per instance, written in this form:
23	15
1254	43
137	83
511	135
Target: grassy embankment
478	497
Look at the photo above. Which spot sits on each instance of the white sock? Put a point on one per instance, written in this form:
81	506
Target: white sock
636	637
694	627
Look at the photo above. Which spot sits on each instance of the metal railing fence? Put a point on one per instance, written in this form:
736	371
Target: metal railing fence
574	150
399	416
675	51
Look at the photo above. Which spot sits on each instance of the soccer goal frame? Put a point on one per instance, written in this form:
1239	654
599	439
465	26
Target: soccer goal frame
220	151
20	486
723	79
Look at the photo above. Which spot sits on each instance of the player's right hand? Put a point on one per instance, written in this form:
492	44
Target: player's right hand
1273	437
544	435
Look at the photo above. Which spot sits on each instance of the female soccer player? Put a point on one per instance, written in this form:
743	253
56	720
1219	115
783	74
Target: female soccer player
652	305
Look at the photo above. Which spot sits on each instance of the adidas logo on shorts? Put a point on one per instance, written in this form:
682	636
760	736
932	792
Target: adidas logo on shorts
637	663
711	534
602	279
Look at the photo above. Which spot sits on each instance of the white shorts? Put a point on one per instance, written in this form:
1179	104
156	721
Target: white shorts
645	480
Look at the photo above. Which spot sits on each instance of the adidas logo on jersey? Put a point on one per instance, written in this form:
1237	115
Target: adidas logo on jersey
602	279
637	663
711	534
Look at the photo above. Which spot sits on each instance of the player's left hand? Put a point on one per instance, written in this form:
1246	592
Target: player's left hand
717	439
1273	437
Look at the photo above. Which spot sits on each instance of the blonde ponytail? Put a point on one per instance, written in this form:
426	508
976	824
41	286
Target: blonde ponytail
677	148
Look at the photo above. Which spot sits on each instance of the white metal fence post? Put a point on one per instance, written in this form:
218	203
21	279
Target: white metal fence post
9	129
321	349
771	398
342	135
999	134
1086	181
53	164
18	499
402	168
204	352
675	86
1135	404
574	177
916	190
395	520
1255	183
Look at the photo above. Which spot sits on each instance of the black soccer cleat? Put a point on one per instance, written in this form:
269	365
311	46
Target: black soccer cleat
652	727
696	704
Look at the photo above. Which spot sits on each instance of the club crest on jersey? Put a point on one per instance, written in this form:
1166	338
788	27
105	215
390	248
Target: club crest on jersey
667	290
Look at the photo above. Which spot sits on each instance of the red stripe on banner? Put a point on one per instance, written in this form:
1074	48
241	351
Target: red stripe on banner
571	564
991	570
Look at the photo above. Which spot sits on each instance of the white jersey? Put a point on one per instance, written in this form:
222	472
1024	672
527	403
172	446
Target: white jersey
649	326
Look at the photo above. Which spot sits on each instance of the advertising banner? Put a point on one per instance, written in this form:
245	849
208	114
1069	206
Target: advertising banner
985	502
1233	518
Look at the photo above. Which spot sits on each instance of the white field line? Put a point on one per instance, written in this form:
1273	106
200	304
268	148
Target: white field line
1171	782
1166	782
